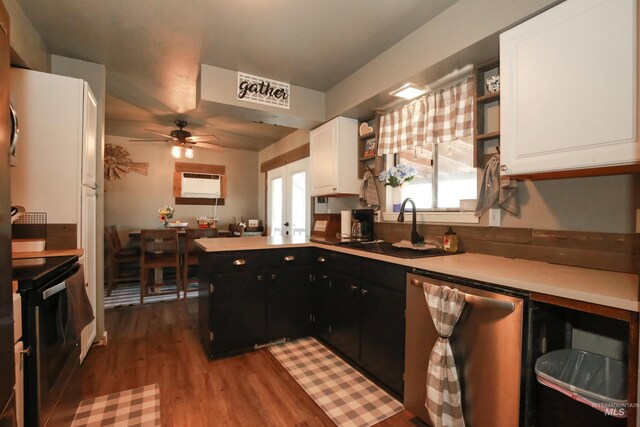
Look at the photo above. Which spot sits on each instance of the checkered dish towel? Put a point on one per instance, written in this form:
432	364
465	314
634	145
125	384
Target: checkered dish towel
496	188
444	398
368	191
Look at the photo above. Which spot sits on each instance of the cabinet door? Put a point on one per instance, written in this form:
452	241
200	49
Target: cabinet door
322	305
288	303
382	335
90	258
237	312
345	321
568	88
323	152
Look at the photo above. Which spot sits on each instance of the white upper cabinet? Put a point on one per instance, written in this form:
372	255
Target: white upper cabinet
334	158
568	89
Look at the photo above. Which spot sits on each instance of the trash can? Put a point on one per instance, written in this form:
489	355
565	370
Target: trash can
581	388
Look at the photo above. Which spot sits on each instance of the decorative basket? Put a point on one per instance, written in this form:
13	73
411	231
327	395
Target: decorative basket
207	223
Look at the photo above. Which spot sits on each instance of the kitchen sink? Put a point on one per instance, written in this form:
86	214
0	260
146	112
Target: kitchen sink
386	248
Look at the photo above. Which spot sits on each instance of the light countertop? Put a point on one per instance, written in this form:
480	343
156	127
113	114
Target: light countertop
619	290
48	253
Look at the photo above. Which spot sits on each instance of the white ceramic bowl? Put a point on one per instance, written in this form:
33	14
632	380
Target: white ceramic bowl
178	224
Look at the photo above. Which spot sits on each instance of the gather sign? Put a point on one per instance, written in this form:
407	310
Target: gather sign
263	91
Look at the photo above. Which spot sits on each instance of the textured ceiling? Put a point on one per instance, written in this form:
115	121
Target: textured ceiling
152	49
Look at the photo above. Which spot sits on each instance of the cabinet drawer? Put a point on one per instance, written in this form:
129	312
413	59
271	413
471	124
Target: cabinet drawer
227	262
343	263
384	274
289	257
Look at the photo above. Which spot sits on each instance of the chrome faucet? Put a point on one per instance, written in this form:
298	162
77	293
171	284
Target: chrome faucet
415	237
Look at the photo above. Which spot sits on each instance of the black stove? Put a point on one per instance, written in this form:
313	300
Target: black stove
32	273
52	356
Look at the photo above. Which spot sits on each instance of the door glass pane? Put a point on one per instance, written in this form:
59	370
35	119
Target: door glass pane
275	204
298	204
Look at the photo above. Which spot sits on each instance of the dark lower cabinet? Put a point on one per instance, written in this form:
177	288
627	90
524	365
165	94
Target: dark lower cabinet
363	320
382	335
345	319
322	304
288	303
250	298
238	312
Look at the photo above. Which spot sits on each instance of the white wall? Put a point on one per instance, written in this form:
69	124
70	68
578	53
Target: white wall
600	204
133	201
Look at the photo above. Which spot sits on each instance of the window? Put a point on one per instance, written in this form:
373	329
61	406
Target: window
452	165
434	134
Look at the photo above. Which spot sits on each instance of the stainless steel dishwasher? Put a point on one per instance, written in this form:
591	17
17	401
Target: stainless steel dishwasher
487	345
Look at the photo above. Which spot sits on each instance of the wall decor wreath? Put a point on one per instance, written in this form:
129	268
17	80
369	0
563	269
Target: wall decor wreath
117	163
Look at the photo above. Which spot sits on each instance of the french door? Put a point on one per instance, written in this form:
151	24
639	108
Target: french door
288	199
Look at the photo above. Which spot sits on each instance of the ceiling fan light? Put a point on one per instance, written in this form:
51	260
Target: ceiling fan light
188	153
175	152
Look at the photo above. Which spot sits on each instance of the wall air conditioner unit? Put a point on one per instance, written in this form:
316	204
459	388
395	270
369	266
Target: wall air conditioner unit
203	185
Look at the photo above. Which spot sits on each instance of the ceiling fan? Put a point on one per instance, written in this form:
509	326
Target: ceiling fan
183	139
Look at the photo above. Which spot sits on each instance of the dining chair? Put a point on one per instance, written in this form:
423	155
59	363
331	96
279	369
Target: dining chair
189	255
158	249
118	257
236	230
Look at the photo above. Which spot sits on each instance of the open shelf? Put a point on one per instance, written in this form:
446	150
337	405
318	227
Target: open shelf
489	135
487	113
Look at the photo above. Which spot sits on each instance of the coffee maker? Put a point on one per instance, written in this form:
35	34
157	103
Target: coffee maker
362	225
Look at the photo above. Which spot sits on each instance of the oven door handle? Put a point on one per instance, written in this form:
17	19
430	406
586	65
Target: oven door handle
54	290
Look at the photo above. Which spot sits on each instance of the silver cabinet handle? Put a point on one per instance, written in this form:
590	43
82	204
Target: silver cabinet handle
290	258
353	287
363	291
240	262
321	259
15	128
503	168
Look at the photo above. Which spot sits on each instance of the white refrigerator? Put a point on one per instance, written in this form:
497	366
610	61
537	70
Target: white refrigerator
56	162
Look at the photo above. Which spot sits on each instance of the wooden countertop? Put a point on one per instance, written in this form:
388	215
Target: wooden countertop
48	253
612	289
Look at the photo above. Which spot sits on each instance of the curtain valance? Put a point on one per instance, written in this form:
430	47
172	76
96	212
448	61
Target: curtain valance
441	116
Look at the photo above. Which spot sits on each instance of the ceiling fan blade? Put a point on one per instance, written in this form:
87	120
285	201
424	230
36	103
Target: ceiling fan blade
208	146
149	140
159	133
202	138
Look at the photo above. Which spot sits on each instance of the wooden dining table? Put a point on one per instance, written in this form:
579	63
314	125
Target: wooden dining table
135	234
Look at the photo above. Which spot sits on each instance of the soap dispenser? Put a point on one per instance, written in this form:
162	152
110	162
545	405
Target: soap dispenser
450	241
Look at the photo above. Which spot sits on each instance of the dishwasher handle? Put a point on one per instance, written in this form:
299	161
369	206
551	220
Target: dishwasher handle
477	300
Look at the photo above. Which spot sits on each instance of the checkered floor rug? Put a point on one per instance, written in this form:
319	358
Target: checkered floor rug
343	393
128	293
139	407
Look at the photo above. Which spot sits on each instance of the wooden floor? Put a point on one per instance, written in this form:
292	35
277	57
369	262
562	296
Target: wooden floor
158	343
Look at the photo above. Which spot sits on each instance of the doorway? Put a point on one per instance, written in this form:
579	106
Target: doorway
288	199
